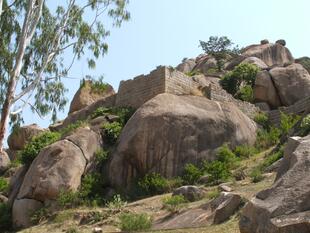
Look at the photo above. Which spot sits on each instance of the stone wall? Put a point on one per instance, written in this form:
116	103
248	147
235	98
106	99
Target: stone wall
137	91
298	108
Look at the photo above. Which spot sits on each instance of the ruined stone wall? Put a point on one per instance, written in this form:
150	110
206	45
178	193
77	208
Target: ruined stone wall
137	91
298	108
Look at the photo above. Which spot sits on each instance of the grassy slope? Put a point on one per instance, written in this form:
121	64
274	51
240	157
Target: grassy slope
67	220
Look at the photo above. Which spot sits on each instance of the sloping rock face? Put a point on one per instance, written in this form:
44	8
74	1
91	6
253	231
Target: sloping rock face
4	162
292	83
285	207
58	167
19	138
186	66
256	61
85	96
264	90
169	131
270	54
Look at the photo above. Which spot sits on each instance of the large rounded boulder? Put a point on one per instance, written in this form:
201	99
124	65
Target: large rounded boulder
271	54
285	207
170	131
292	83
21	136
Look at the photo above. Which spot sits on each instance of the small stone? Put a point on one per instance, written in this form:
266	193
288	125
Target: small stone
224	188
97	230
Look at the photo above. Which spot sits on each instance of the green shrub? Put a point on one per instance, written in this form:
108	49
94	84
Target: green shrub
287	122
174	203
191	174
272	158
130	222
266	139
70	128
242	75
92	187
112	131
37	143
245	94
193	73
226	156
116	204
40	215
217	170
305	125
256	175
124	113
263	120
175	183
101	111
5	217
245	151
153	183
101	156
4	185
67	199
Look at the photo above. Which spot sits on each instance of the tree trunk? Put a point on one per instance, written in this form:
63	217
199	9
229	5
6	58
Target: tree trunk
31	20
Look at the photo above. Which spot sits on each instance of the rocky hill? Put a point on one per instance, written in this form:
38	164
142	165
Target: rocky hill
188	149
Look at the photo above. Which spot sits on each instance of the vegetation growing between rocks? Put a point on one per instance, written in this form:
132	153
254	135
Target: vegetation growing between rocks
33	148
240	81
174	203
4	185
5	217
305	125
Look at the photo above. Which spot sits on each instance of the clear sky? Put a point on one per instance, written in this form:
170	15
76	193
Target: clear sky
163	32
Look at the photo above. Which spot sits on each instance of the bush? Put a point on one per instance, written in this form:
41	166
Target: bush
191	174
5	217
272	158
305	125
153	183
245	94
266	139
101	111
40	215
263	120
124	114
256	175
4	185
101	156
218	171
67	199
92	187
245	151
37	143
112	131
243	74
287	122
117	204
174	203
226	156
135	222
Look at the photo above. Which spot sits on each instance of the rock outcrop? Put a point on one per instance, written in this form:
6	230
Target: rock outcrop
186	66
264	90
292	83
86	95
256	61
4	162
58	167
284	207
169	131
271	54
189	192
19	137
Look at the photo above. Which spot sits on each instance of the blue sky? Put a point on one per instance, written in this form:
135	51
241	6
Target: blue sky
163	32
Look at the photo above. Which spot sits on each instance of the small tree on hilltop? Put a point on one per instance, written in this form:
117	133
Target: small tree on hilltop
32	45
219	48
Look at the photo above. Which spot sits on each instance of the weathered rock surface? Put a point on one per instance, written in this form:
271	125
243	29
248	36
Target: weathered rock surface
214	212
205	64
264	90
256	61
4	162
169	131
284	207
186	66
19	138
292	83
23	210
305	62
3	199
189	192
85	96
270	54
15	182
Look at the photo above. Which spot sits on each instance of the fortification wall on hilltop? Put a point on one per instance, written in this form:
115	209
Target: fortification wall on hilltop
137	91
